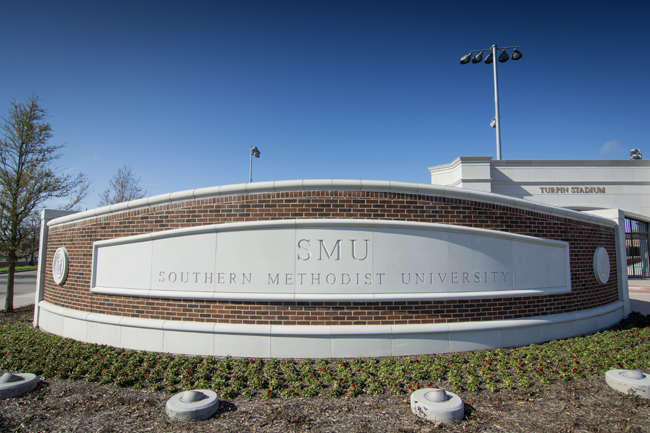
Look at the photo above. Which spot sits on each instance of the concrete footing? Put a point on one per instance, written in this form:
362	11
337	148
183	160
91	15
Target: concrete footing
194	405
633	382
15	385
437	405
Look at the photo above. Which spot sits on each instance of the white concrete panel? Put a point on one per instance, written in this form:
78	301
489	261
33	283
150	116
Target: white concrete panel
602	201
597	174
43	315
476	170
184	263
513	190
479	339
256	261
506	174
557	331
347	341
641	175
515	337
479	263
301	347
334	260
609	319
549	199
189	343
445	178
319	259
75	328
420	344
539	266
142	339
413	261
628	203
571	200
103	333
365	345
126	266
585	326
55	323
254	345
543	175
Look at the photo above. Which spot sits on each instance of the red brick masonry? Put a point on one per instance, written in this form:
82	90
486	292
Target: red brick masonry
583	237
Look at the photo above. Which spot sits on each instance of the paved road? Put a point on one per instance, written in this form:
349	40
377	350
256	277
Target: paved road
24	289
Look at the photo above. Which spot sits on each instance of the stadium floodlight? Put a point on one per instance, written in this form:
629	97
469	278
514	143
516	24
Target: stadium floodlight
254	153
503	57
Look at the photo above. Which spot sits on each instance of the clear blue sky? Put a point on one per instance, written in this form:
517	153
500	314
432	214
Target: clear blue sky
180	90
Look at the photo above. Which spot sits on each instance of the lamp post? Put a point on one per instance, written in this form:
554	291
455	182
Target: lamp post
503	57
254	153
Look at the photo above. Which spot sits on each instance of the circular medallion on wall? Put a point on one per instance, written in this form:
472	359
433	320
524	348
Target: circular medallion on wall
60	266
601	265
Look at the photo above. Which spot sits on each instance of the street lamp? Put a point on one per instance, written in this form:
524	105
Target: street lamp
254	153
503	57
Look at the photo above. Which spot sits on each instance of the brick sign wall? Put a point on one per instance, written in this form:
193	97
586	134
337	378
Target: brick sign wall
583	237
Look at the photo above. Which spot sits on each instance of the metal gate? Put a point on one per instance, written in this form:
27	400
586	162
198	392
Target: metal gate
636	246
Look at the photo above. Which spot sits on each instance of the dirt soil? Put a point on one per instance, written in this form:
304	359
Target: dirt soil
581	405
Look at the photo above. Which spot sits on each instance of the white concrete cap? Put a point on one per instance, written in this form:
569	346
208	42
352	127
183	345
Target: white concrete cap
437	405
634	374
437	395
632	382
15	385
8	377
194	405
192	396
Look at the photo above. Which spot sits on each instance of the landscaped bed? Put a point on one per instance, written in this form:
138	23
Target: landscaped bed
556	386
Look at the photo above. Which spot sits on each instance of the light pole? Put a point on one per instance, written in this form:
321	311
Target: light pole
503	57
254	153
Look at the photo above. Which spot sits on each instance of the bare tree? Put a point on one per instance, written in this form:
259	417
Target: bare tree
122	187
78	195
28	178
31	230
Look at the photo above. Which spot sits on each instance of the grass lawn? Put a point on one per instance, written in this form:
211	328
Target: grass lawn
18	268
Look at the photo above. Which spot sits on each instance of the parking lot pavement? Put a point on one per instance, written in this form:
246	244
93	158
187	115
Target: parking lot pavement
639	295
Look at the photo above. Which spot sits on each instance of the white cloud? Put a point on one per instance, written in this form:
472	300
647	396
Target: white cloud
610	146
88	159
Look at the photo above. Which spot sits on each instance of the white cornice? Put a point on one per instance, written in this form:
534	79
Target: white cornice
331	185
537	163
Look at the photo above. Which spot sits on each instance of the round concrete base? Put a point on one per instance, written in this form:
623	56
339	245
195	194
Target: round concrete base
195	405
437	405
629	381
15	385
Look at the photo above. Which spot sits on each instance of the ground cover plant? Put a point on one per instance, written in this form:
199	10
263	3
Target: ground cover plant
487	375
19	268
23	348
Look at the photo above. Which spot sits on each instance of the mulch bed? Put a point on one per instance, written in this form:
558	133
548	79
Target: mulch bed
580	405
